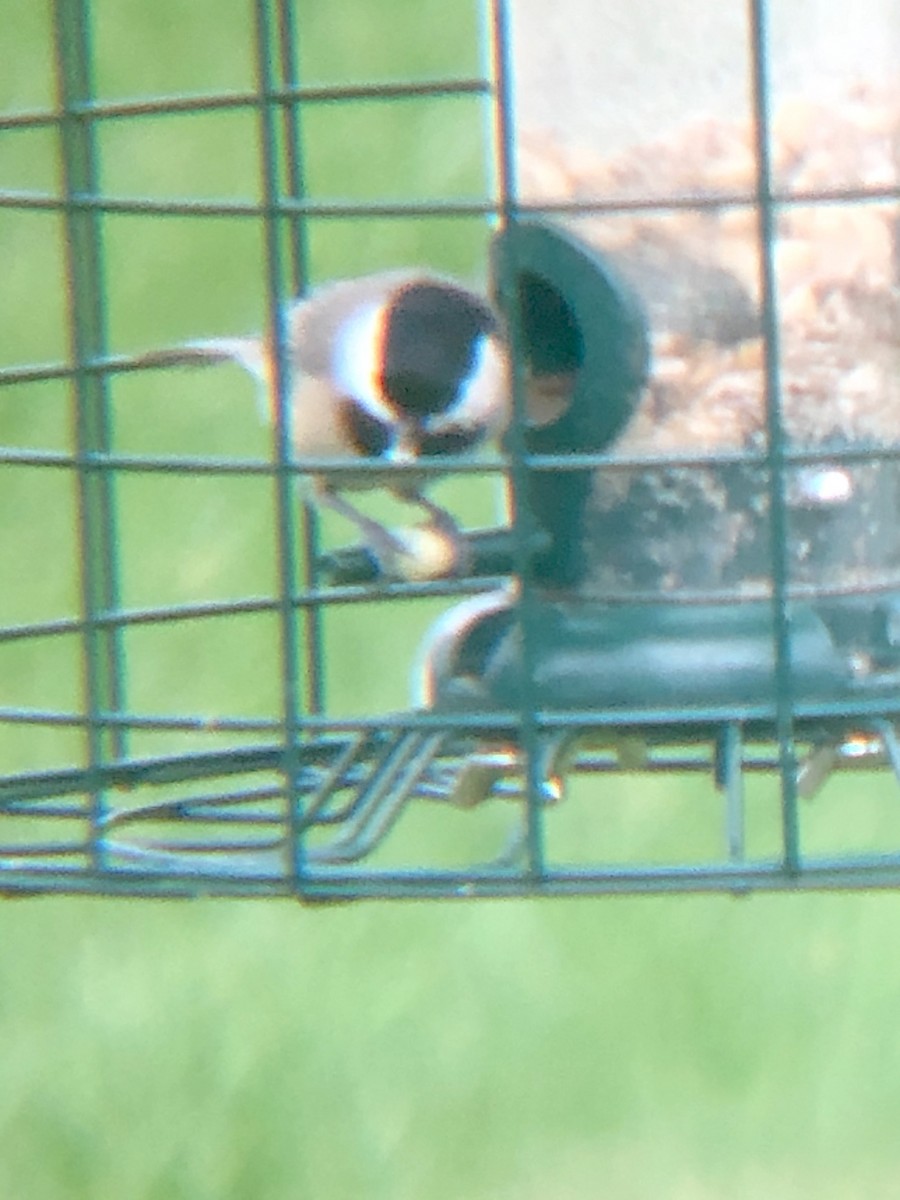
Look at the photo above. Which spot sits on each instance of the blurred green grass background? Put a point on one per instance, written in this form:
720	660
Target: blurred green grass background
626	1049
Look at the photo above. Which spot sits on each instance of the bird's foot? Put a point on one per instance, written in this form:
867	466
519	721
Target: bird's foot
419	552
446	541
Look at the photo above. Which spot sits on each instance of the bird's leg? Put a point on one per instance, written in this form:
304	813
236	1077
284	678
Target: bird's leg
444	525
422	552
386	546
440	518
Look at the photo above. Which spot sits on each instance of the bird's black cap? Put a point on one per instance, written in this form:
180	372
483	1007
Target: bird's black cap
430	345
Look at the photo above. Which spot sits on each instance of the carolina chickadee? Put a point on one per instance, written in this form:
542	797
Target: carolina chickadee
395	366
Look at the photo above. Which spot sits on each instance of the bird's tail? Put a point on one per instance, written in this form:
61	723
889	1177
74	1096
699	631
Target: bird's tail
246	352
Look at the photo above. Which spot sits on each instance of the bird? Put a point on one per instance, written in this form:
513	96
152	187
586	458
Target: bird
397	366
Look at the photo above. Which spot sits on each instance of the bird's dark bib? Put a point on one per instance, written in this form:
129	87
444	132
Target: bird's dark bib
368	436
448	441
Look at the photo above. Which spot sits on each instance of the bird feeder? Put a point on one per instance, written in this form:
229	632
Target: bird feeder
674	663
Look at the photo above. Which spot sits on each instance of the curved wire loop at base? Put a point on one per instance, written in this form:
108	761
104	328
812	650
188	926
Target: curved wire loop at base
385	813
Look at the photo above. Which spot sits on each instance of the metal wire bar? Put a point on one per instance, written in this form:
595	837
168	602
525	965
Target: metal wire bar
243	607
382	799
132	773
731	754
295	186
101	654
278	290
25	199
162	876
509	210
355	750
696	725
860	453
289	94
145	722
284	207
767	216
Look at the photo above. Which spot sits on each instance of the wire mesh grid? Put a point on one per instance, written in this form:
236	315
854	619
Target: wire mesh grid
331	784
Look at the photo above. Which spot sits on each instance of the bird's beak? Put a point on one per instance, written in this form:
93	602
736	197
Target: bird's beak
405	446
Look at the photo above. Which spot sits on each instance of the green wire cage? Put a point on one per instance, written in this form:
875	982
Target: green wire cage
690	623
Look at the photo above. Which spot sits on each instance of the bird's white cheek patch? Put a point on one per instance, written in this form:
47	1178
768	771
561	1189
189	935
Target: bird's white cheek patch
358	355
483	399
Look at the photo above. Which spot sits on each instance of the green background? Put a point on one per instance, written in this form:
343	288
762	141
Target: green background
625	1049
